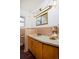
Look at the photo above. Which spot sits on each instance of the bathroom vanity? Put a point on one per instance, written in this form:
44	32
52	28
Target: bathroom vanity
42	47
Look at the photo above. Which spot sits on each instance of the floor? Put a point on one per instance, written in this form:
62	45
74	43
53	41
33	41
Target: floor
27	55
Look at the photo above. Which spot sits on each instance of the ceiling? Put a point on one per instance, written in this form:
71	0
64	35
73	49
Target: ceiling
27	6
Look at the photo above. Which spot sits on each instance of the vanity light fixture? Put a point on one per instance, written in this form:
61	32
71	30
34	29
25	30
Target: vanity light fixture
54	2
43	11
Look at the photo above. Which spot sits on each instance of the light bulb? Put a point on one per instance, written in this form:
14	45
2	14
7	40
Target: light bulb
54	2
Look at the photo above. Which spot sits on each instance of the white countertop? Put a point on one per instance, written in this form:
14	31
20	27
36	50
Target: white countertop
46	40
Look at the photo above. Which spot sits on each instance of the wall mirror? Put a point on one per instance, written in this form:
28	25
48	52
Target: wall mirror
42	20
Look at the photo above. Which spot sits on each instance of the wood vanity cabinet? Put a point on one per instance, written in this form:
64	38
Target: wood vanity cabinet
41	50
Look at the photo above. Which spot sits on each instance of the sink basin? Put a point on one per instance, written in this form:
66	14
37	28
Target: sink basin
43	36
46	37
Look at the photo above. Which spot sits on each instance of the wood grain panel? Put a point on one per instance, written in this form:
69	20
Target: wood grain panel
30	43
50	52
37	49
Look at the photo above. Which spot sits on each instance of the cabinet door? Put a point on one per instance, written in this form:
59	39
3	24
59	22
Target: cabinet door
33	47
29	43
37	49
50	52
